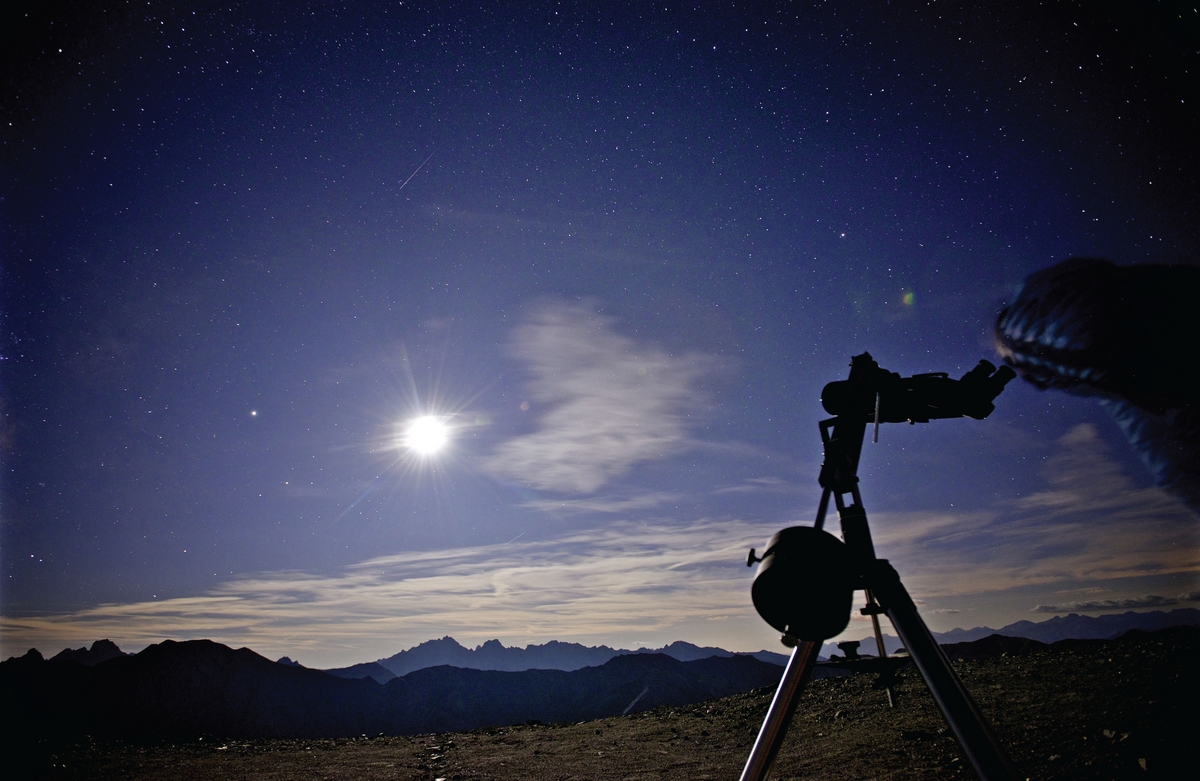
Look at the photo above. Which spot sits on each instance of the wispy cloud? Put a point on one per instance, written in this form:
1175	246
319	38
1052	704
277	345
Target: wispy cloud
772	485
1090	524
1132	603
621	581
610	402
634	580
604	504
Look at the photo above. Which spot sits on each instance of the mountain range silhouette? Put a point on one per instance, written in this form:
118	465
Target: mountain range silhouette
493	655
555	655
1069	627
198	687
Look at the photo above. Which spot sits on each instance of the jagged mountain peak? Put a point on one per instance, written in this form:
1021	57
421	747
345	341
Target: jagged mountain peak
101	651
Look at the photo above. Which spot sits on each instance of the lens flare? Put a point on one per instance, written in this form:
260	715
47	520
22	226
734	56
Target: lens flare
426	435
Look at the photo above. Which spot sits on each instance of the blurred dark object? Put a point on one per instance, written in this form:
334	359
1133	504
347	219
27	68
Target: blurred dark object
1127	335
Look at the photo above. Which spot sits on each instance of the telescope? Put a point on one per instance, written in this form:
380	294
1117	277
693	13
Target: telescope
807	577
890	398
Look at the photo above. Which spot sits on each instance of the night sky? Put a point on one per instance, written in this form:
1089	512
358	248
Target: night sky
618	250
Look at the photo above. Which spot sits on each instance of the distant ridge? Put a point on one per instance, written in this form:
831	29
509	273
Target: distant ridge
1069	627
554	655
371	670
202	688
198	687
1076	627
101	651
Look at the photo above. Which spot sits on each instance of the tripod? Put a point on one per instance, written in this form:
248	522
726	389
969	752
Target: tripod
806	560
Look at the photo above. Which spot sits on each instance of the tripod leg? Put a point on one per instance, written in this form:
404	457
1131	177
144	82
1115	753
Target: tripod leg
978	742
872	606
779	715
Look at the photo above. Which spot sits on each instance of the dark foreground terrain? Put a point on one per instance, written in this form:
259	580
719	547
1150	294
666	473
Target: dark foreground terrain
1115	709
178	690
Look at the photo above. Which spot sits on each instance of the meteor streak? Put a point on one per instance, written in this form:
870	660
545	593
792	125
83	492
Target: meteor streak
422	165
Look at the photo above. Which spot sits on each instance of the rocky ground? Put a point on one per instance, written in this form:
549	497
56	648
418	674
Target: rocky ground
1080	710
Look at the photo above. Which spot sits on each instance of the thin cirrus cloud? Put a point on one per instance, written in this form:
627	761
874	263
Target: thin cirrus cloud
609	402
1132	603
629	580
752	485
604	504
611	585
1090	524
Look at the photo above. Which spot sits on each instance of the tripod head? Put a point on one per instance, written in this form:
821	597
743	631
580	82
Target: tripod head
806	576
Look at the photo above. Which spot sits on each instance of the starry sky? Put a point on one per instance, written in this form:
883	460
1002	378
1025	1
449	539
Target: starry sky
618	249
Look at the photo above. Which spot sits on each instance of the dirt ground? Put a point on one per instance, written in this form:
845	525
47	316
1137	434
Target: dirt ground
1125	709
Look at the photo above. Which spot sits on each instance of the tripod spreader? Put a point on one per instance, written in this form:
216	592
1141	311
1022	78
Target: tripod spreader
976	738
962	714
